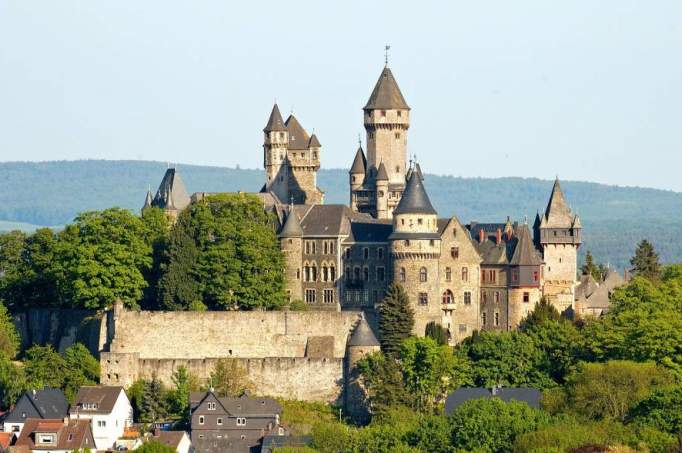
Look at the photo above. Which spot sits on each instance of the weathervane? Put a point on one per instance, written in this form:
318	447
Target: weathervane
386	49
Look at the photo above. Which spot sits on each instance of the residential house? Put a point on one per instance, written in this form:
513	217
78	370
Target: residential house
55	435
179	440
231	424
47	403
108	408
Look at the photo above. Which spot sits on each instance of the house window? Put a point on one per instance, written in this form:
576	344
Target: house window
46	439
465	274
397	135
515	276
347	252
211	405
331	247
310	296
313	273
383	113
423	299
526	297
454	232
306	271
365	253
400	113
484	296
484	318
328	296
298	273
423	275
447	297
497	297
241	421
535	276
365	273
432	242
448	274
467	297
402	276
348	274
325	273
492	276
407	242
381	274
201	420
70	438
380	253
454	252
325	247
219	421
497	319
419	221
356	274
332	273
101	423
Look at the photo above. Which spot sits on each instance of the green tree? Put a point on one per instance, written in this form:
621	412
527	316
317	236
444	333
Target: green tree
598	271
12	382
609	390
153	401
396	319
437	332
491	425
178	398
229	378
156	227
431	371
154	446
81	369
383	378
44	366
662	409
432	434
105	256
645	262
9	337
178	286
12	268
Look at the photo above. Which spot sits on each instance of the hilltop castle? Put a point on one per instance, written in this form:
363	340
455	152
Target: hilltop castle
465	277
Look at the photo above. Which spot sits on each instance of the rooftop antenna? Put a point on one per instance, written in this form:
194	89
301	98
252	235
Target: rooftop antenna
386	49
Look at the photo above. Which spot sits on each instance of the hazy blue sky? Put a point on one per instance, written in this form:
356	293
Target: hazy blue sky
590	90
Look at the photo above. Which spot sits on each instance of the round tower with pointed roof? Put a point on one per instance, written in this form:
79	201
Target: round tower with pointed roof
356	175
291	244
275	145
381	182
361	342
415	251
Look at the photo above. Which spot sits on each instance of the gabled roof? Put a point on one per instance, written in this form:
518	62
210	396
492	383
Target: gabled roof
244	405
172	193
275	122
314	142
298	137
363	335
292	227
104	397
47	403
525	253
72	435
414	199
557	214
359	163
382	174
386	94
586	287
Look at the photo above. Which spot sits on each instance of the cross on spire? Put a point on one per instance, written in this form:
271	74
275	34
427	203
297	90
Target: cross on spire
386	49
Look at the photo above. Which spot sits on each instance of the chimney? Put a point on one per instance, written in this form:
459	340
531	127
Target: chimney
481	235
499	236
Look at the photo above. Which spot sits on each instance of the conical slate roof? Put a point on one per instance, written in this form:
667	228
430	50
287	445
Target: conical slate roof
275	123
414	199
314	142
382	174
524	252
359	163
298	137
386	94
172	193
557	214
363	335
292	227
148	200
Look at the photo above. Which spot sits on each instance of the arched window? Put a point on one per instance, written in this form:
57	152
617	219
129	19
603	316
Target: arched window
313	273
348	274
402	274
306	273
447	297
332	273
423	275
325	273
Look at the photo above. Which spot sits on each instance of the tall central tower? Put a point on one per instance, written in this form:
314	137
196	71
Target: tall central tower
377	182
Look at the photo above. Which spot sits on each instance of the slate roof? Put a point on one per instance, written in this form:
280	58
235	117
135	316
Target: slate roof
148	200
359	163
172	193
298	137
366	230
505	253
275	122
382	174
241	406
104	396
527	395
324	219
362	335
557	213
594	295
71	435
386	94
525	253
292	227
48	403
170	438
314	142
415	199
586	287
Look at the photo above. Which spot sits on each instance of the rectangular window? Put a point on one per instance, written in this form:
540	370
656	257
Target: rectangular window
497	319
492	276
423	299
328	296
484	318
381	274
365	253
484	296
467	297
380	253
497	297
310	296
211	405
454	252
101	423
201	420
448	274
526	297
365	296
347	252
465	274
241	421
515	276
219	421
535	276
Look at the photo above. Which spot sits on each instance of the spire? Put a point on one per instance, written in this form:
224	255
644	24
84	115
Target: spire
524	252
298	137
292	227
363	335
382	174
359	163
147	200
172	193
414	199
386	94
314	142
557	214
275	123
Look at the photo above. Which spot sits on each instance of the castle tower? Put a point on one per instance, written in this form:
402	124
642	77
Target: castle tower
303	160
361	343
415	251
275	144
356	175
291	244
524	279
382	193
559	236
147	201
171	195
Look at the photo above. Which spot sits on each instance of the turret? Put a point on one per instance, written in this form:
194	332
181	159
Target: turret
361	343
147	201
303	160
291	244
525	267
415	251
382	193
275	144
172	195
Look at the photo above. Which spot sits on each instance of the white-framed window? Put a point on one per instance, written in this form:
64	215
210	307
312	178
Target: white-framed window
201	419
310	295
241	421
423	299
423	275
380	253
101	423
219	421
448	274
328	296
467	297
211	405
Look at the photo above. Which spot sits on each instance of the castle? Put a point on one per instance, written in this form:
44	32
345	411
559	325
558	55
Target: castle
465	277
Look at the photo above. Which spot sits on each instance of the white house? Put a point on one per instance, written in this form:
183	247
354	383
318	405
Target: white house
109	410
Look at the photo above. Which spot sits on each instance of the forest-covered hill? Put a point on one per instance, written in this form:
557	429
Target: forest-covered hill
614	218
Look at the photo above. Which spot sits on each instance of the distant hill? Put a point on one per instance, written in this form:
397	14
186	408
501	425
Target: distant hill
614	218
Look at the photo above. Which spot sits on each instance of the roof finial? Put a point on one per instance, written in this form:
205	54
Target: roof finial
291	201
386	49
359	140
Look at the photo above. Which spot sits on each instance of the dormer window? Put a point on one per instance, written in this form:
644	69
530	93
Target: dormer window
211	405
